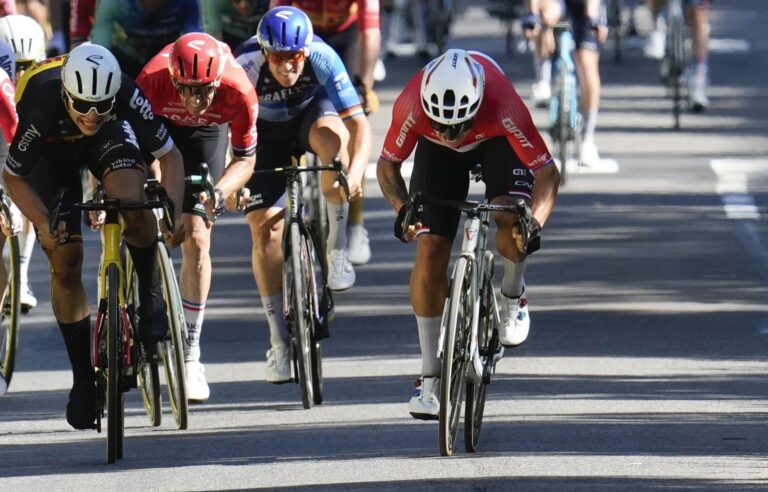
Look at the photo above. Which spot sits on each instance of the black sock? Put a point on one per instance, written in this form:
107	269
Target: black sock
77	338
145	261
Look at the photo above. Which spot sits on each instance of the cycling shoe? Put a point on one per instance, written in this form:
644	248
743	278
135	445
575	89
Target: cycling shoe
81	408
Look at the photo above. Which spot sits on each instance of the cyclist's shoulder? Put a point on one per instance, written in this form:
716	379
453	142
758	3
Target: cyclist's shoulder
321	54
41	83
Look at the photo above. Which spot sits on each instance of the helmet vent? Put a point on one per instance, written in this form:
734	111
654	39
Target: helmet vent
208	68
194	67
109	82
181	66
95	81
296	37
79	83
283	38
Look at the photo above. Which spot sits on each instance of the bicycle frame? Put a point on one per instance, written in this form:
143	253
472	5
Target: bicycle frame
564	104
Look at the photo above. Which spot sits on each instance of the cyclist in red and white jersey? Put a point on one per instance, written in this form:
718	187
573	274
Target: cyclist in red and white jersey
461	110
199	89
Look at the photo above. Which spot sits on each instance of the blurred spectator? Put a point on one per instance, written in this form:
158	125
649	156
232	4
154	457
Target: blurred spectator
233	21
38	11
135	30
81	16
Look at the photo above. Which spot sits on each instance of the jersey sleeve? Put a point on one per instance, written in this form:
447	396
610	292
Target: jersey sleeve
243	126
402	134
8	118
332	74
27	145
101	32
136	108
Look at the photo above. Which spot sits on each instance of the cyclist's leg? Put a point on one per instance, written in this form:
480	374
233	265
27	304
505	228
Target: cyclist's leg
324	132
68	297
264	216
697	12
549	13
26	247
122	172
587	58
655	44
506	179
438	172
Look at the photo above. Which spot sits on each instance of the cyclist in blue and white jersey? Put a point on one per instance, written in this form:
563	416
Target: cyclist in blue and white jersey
306	102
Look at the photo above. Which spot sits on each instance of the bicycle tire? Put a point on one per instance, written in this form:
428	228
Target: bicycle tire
316	286
455	352
299	320
148	374
677	62
115	363
477	392
172	348
9	318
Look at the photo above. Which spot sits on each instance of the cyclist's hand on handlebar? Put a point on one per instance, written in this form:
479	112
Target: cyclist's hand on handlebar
405	232
355	185
174	238
238	201
531	243
214	205
5	227
599	28
96	219
49	241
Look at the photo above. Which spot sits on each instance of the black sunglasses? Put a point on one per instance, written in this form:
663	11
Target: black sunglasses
85	107
194	90
24	65
451	131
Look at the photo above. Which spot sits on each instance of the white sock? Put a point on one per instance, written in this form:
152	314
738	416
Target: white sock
26	245
590	123
278	331
429	336
513	283
543	68
193	316
338	214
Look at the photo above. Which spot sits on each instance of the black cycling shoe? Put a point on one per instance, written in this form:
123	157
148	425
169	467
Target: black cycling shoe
153	321
81	408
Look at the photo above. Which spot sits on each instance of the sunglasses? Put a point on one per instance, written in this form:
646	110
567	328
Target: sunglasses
281	57
24	65
195	90
84	107
451	131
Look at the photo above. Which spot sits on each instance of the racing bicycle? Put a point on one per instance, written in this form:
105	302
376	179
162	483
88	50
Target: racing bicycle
307	299
117	359
469	343
672	67
564	116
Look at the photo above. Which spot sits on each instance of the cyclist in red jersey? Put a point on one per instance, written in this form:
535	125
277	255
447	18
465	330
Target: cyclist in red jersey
461	110
199	89
351	28
81	16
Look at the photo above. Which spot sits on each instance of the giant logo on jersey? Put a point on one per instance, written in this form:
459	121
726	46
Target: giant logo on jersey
407	124
516	132
141	104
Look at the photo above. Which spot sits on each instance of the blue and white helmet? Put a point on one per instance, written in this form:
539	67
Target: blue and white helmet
284	29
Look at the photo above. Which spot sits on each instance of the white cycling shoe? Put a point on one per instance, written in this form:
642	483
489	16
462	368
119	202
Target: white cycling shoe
424	404
341	274
542	92
517	322
278	369
359	245
196	385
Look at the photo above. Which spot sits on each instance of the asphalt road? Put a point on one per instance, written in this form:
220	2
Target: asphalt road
645	367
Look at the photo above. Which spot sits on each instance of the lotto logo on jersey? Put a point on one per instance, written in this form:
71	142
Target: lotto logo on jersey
141	104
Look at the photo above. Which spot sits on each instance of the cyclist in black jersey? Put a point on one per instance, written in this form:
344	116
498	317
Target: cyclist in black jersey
74	110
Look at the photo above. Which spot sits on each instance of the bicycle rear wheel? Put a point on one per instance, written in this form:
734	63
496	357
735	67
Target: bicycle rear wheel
172	348
115	364
301	316
9	318
677	61
562	130
149	374
477	392
455	355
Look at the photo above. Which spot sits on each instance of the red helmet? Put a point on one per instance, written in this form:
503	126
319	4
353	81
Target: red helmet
196	58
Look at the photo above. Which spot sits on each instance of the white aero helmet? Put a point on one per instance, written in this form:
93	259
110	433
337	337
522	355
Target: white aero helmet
91	73
25	36
452	87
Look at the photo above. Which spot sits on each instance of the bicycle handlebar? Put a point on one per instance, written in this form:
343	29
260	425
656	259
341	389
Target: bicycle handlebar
205	181
471	208
102	203
335	166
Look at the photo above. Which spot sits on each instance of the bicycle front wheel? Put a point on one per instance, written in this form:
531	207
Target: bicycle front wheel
315	290
477	392
301	315
172	348
9	318
563	130
455	354
115	364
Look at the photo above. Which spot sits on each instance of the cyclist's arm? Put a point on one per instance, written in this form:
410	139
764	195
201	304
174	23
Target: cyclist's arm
236	175
370	40
547	181
359	145
391	182
25	197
